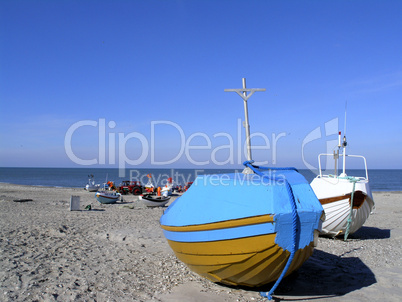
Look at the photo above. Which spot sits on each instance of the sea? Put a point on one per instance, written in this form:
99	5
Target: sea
380	180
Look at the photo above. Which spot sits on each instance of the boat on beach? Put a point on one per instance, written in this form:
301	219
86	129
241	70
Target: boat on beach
240	232
107	197
168	188
152	200
91	185
245	229
347	200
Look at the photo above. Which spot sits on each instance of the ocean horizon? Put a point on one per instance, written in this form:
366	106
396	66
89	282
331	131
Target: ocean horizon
380	179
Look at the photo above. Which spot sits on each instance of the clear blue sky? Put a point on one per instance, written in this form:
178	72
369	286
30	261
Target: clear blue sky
133	65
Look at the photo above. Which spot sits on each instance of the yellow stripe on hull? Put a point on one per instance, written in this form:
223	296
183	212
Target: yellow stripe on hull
221	224
252	261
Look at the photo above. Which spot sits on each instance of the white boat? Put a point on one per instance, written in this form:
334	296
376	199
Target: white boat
107	197
168	188
347	200
151	200
91	186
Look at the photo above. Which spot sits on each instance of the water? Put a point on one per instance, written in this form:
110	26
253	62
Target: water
380	180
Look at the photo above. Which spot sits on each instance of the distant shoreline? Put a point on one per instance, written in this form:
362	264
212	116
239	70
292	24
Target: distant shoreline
380	180
83	187
175	168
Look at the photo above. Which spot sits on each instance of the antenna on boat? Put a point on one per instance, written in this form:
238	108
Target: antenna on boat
344	144
243	94
344	127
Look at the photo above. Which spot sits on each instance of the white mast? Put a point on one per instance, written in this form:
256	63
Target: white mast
336	154
245	97
344	144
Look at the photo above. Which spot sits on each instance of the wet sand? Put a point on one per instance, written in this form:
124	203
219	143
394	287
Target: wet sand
118	253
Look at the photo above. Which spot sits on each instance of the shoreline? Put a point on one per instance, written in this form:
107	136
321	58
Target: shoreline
83	187
118	253
380	180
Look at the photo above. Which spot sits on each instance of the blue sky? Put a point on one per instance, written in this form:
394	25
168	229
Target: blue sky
142	82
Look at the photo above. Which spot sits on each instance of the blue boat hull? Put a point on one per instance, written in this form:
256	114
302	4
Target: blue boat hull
237	228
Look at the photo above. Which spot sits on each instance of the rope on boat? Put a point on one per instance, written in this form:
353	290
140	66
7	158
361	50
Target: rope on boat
294	222
254	167
353	180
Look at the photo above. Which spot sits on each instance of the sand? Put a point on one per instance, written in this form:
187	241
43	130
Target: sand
118	253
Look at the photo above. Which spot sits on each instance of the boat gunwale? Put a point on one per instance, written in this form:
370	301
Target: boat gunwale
357	204
361	179
107	196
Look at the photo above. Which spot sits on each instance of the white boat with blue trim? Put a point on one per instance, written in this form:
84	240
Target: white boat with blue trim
107	197
347	200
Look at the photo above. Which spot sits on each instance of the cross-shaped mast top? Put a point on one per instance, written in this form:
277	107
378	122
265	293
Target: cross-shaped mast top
243	94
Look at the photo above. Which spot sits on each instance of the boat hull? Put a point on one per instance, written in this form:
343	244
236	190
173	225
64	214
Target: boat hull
155	201
335	194
107	197
241	233
246	261
92	188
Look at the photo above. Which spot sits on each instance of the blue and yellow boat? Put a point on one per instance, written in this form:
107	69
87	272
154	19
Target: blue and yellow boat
241	229
245	229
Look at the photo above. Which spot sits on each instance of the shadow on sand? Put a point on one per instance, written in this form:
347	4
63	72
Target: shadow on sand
365	233
323	275
326	275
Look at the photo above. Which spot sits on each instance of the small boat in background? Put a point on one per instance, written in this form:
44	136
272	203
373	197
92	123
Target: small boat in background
91	186
347	200
152	200
107	197
168	188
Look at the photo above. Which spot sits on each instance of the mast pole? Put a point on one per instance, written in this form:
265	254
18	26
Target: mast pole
336	154
243	94
344	144
344	156
246	125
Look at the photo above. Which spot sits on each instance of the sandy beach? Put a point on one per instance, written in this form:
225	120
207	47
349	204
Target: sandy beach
118	253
